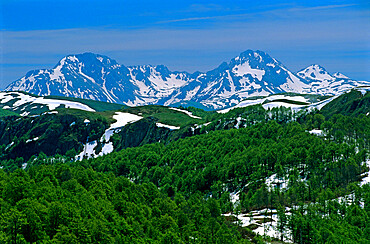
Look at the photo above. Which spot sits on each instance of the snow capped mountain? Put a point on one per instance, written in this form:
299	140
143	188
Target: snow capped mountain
252	73
323	83
315	72
340	76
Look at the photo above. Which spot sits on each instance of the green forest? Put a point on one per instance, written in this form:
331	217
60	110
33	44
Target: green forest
181	190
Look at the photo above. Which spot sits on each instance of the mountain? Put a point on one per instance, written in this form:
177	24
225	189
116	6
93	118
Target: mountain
321	82
252	73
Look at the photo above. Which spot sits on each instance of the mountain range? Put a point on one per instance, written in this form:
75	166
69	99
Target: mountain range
252	73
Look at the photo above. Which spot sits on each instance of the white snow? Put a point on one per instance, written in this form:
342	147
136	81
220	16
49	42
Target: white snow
234	197
56	73
84	75
270	99
171	127
51	112
24	114
155	86
293	83
33	139
51	103
122	119
269	228
245	68
271	105
366	179
316	132
8	146
315	72
275	182
363	90
340	76
186	112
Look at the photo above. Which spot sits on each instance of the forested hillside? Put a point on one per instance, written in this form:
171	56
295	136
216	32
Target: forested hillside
247	176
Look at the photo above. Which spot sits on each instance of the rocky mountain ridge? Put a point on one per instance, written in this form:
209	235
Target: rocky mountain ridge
252	73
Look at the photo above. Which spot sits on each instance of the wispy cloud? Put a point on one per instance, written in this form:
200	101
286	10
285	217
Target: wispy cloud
334	6
186	19
317	37
258	13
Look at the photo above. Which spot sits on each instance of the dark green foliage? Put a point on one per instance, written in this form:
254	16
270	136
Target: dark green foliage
140	133
4	113
352	103
176	191
231	159
332	221
49	133
59	204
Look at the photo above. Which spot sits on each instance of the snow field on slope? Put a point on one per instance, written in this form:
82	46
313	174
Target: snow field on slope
51	103
315	72
122	119
366	175
269	228
186	112
316	132
171	127
271	103
281	104
245	68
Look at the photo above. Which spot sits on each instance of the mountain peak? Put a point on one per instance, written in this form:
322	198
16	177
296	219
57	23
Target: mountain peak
340	76
314	72
251	73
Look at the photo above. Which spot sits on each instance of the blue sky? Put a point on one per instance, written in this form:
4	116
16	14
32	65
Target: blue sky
185	35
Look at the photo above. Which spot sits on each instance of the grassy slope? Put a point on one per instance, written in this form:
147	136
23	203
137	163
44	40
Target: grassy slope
163	114
96	105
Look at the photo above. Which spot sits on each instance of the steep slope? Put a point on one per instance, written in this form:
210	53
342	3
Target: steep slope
351	104
83	76
252	73
98	77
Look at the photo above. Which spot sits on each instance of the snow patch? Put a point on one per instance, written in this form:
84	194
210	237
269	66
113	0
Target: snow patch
171	127
186	112
245	68
51	103
366	175
122	119
33	139
316	132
